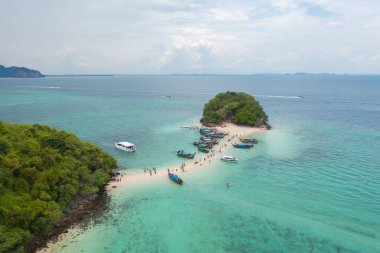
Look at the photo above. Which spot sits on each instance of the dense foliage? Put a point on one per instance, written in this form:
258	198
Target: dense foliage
237	107
41	171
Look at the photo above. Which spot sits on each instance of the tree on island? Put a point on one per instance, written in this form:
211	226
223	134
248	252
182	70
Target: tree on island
42	172
236	107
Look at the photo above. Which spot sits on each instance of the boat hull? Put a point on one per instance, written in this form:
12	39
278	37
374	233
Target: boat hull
243	146
245	140
229	159
125	149
175	178
204	150
185	155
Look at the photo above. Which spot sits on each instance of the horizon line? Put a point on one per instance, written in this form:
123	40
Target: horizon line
213	74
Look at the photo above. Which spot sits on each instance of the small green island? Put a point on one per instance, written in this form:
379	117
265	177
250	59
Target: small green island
237	107
43	173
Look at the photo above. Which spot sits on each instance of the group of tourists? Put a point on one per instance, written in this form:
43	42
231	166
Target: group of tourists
208	157
182	167
151	171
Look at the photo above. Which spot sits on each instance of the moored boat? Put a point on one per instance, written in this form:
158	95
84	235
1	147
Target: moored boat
203	149
205	130
175	178
212	140
125	146
243	145
185	155
212	133
190	127
228	158
248	140
203	144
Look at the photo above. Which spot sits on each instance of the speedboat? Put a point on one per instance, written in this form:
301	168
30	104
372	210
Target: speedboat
125	146
228	158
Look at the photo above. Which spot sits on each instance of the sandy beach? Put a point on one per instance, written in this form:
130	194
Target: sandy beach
201	160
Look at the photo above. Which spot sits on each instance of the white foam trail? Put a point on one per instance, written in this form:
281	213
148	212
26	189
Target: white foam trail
158	92
272	96
12	104
41	87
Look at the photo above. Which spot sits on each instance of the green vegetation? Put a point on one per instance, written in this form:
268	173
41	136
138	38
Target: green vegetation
41	171
237	107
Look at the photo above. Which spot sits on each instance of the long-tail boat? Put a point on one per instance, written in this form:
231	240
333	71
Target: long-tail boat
203	149
243	145
185	155
175	178
248	140
197	143
207	139
205	130
211	133
203	144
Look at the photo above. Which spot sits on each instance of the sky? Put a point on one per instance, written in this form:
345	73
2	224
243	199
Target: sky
191	37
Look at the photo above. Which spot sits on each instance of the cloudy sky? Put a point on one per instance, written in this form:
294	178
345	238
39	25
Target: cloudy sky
172	36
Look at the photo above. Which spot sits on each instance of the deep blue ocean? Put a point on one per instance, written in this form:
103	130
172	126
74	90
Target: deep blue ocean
312	184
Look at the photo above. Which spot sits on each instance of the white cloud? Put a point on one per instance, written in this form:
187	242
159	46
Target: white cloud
170	36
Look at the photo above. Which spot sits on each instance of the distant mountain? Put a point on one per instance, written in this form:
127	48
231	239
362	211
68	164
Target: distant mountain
19	72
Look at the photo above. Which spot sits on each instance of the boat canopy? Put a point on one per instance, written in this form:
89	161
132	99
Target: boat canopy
174	176
126	144
228	157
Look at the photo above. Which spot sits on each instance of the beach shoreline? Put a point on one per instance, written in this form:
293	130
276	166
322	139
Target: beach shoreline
202	160
70	222
126	179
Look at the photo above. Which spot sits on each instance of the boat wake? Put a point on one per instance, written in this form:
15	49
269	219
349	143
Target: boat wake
273	96
41	87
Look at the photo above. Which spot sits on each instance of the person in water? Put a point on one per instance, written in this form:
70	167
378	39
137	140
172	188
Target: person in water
228	184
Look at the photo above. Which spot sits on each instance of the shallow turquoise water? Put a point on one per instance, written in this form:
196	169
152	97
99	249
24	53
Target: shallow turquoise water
310	185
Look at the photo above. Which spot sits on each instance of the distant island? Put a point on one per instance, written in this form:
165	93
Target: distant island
237	107
19	72
47	176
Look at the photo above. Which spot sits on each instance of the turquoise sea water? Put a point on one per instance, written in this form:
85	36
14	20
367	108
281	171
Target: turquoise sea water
312	184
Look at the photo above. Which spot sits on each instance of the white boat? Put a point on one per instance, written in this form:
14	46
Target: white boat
191	127
125	146
228	158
